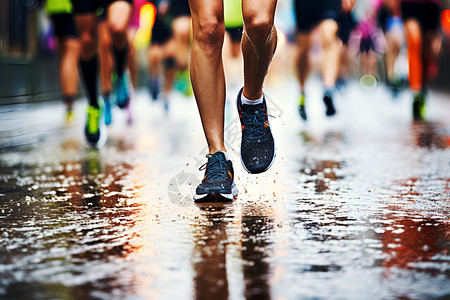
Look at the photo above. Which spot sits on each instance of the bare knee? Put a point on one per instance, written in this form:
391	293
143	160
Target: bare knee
88	44
118	17
209	34
328	33
413	34
118	31
258	26
72	48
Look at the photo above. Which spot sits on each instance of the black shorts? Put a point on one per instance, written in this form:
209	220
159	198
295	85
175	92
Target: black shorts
161	31
179	8
309	13
64	26
367	44
91	6
428	14
235	34
383	15
346	23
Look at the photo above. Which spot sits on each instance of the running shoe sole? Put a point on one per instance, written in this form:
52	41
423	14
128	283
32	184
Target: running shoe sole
102	139
216	196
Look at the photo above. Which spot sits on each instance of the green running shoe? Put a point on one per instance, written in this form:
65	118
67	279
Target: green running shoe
70	117
418	107
94	134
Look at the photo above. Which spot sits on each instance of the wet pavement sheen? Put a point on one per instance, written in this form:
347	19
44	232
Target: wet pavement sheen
355	207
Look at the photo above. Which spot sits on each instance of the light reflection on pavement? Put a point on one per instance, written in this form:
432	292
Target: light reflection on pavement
355	207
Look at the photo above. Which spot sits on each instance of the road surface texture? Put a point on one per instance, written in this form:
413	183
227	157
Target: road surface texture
355	206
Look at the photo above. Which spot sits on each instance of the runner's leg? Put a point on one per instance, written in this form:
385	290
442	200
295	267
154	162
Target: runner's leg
106	58
331	52
414	43
302	62
118	16
87	29
258	44
207	73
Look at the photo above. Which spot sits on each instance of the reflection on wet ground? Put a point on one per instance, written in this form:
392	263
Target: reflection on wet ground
347	212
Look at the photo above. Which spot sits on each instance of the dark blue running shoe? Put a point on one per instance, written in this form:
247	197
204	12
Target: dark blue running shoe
153	87
257	145
218	183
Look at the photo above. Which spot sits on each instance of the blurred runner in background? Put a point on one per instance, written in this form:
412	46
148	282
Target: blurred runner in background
106	62
372	45
60	12
347	23
324	14
232	54
234	26
133	26
423	38
390	22
117	17
170	47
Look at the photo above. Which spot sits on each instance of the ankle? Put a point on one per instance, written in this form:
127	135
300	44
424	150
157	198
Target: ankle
214	149
247	101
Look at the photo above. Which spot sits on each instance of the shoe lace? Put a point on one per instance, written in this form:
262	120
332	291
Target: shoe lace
255	124
215	168
93	119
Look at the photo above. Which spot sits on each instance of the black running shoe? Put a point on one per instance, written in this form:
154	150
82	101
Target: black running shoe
218	184
328	100
257	145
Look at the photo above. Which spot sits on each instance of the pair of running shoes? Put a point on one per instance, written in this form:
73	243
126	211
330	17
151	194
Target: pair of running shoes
330	110
95	134
418	105
257	155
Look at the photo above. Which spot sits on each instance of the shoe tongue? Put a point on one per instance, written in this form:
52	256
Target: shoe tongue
252	109
220	155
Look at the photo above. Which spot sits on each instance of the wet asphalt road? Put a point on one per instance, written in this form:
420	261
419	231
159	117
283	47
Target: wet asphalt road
355	207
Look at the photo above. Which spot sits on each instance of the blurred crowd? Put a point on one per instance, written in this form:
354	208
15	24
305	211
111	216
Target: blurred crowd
100	40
